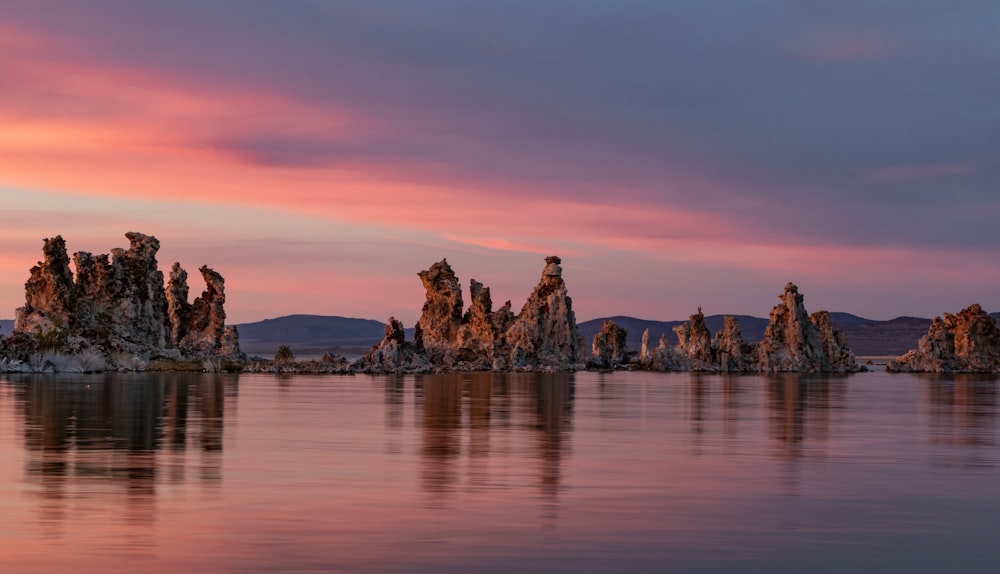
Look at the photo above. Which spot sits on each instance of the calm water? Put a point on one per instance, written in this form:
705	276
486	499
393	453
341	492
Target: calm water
498	473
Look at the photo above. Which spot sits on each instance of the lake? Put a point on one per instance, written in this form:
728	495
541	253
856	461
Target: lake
582	472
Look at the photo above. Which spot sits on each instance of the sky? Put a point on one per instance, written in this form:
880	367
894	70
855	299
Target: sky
674	153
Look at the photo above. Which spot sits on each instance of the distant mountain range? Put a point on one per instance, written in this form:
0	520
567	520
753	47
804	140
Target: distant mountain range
317	334
866	337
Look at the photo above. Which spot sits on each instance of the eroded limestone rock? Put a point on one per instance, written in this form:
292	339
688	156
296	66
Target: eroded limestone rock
394	354
795	342
964	343
117	308
695	344
437	330
545	332
610	347
543	335
732	354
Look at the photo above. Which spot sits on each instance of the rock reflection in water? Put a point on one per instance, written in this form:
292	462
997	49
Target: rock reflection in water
962	412
117	437
464	414
800	409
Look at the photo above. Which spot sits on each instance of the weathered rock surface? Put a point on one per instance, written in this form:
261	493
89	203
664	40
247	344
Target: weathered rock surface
441	317
694	344
394	354
116	312
794	341
610	347
542	335
964	343
731	353
545	334
664	357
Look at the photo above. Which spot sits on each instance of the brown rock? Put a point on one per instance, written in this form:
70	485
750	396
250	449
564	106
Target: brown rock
794	342
964	343
545	333
610	347
49	292
694	343
118	307
441	317
732	353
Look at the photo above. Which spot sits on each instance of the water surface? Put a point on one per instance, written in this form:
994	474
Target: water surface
582	472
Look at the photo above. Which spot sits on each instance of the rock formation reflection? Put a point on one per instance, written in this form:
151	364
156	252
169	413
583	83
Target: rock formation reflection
800	409
962	412
468	415
118	437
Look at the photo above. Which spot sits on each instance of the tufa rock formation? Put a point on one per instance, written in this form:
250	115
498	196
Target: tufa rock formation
794	341
542	335
610	348
116	309
394	354
964	343
730	352
694	344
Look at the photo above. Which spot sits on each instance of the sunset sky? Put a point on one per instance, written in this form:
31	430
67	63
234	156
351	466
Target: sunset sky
675	153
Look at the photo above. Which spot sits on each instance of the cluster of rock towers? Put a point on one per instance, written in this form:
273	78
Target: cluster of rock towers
116	312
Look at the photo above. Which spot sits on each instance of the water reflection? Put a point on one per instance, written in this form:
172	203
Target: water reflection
117	437
800	407
464	415
962	412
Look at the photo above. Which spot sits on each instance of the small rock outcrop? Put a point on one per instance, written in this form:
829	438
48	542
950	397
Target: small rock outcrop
116	311
394	354
968	342
731	353
794	341
663	357
610	347
694	344
447	338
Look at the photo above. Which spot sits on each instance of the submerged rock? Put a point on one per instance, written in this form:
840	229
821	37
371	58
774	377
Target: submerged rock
964	343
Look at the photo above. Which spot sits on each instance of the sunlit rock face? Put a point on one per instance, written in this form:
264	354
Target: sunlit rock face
545	332
663	357
447	338
117	306
49	291
394	354
694	344
731	353
610	347
964	343
794	341
441	317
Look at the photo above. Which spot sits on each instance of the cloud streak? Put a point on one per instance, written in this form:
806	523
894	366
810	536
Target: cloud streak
778	141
